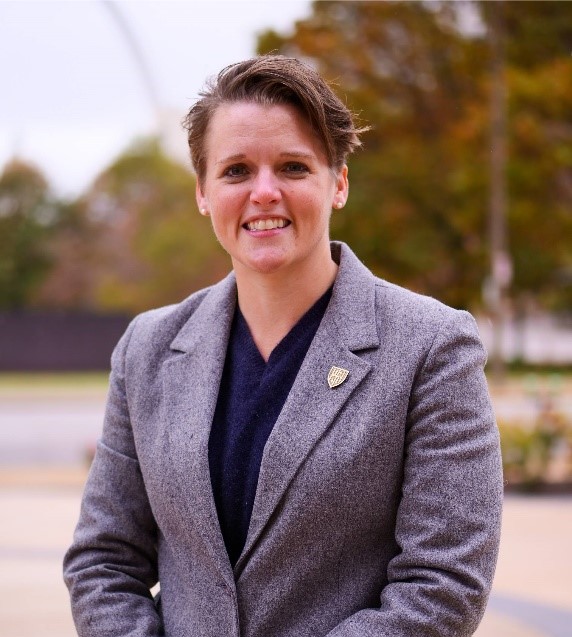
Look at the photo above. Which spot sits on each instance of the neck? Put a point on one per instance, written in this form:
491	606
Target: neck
273	303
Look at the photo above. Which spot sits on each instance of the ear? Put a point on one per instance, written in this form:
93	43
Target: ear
342	188
202	202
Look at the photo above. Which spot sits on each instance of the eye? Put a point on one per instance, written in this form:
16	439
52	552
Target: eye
236	170
296	168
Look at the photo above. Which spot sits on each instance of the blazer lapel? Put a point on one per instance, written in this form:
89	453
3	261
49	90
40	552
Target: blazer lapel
347	327
191	379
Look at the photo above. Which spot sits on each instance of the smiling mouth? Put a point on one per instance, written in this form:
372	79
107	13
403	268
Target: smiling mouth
266	224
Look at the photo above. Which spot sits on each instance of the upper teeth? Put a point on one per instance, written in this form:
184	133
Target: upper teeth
266	224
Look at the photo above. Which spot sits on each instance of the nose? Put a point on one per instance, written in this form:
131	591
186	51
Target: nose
265	189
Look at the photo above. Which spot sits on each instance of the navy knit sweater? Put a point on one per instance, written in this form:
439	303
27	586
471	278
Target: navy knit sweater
251	396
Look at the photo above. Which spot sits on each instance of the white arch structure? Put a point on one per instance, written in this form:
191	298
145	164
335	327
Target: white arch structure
136	52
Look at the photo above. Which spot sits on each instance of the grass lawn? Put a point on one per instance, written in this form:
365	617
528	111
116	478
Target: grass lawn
54	383
515	383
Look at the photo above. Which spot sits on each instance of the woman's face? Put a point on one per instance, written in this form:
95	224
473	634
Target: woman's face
268	189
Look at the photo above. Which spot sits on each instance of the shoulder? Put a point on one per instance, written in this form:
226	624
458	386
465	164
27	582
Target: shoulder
164	323
148	337
406	305
417	316
425	329
402	309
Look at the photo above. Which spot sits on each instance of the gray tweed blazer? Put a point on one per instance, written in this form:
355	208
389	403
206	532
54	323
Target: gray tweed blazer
378	505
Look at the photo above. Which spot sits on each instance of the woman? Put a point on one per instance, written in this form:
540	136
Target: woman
302	449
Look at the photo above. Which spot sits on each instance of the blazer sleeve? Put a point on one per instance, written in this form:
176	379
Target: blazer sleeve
112	563
449	517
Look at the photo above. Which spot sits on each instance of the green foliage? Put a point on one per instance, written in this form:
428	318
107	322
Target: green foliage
540	181
537	33
538	452
418	207
153	246
27	214
530	453
133	241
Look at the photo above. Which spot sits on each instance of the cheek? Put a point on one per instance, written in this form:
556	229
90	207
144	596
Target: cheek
228	202
223	210
220	228
311	200
322	210
319	201
225	218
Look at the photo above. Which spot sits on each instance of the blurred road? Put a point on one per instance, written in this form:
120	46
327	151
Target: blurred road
54	427
44	426
48	432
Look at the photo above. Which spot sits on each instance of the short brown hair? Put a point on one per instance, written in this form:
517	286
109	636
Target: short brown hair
275	79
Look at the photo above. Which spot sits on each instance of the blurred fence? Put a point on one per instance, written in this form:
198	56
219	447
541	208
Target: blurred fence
83	341
58	341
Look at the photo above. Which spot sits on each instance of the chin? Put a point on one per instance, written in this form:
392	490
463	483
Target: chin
264	263
266	266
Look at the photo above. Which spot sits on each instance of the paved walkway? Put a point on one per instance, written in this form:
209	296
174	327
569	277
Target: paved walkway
532	593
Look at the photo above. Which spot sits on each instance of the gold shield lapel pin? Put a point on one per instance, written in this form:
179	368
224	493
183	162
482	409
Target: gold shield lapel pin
336	376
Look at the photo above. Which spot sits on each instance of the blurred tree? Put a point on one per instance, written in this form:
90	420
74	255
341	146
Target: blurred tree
28	213
415	213
540	181
419	73
538	33
135	240
539	63
73	249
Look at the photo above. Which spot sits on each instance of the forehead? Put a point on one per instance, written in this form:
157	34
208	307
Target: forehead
242	125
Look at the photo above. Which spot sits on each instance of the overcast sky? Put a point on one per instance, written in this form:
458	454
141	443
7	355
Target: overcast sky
72	95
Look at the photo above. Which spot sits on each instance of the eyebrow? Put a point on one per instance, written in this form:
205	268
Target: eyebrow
225	160
298	154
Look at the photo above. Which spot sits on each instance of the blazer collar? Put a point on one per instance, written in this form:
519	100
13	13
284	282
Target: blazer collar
191	378
348	326
352	307
212	319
